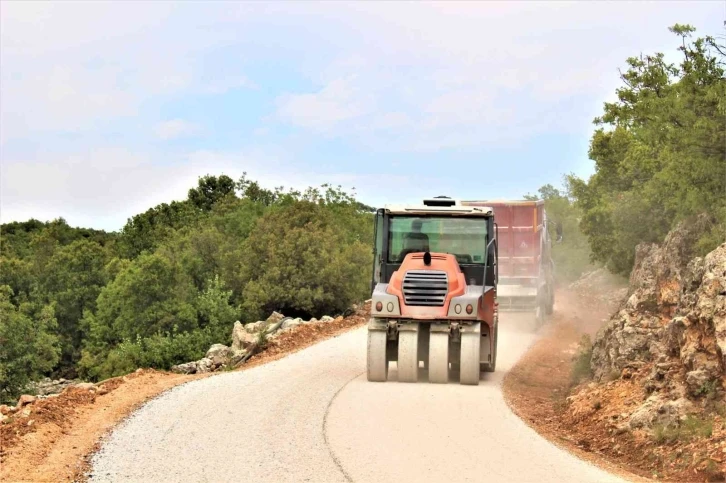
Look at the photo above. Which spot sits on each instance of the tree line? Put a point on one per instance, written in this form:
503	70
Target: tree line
80	302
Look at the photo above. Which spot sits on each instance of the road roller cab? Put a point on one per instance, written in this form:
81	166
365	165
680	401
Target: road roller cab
434	292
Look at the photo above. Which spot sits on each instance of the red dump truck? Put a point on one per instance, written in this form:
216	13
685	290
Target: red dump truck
526	269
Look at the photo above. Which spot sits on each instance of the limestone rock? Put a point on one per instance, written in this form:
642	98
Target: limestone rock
85	386
274	318
219	354
676	309
290	323
326	318
255	327
698	381
241	339
24	400
659	410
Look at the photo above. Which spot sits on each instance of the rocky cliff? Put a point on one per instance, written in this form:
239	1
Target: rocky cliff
671	331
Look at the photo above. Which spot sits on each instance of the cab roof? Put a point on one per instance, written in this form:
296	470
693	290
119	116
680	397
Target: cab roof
456	210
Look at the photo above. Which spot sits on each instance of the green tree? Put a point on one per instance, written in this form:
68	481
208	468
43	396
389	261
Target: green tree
659	153
146	231
28	348
302	260
210	190
72	280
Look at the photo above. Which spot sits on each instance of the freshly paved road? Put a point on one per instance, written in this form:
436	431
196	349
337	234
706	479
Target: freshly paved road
312	416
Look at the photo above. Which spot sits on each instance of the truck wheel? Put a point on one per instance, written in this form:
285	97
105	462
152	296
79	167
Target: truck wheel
550	302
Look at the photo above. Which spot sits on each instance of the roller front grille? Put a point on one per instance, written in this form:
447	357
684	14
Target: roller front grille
425	287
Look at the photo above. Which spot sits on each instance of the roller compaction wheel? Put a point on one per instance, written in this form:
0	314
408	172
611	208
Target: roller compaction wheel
408	353
439	354
377	362
470	354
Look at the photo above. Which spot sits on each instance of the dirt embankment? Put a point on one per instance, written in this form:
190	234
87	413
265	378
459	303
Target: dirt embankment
50	439
647	396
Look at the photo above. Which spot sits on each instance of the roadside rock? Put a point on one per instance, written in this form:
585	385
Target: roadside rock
47	386
659	410
24	400
186	368
698	381
5	409
274	318
326	318
290	323
85	386
241	339
255	327
196	367
219	354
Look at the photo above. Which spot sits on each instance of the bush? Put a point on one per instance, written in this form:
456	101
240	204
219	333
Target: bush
690	428
28	346
303	260
581	369
158	351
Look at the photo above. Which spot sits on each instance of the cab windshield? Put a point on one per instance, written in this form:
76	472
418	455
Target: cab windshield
466	238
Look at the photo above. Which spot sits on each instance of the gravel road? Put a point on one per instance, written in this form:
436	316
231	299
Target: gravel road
312	416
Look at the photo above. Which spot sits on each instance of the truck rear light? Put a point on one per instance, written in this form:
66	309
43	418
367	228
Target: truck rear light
379	306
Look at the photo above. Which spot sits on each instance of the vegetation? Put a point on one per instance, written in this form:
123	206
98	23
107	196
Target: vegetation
172	282
690	428
659	153
581	369
571	254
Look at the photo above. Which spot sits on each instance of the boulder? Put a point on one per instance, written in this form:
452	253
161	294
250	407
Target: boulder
186	368
195	367
24	400
326	318
241	339
85	386
657	409
4	409
255	327
219	354
697	382
290	323
274	318
205	365
48	386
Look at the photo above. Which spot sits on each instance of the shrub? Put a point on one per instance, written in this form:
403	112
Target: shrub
28	346
581	369
302	260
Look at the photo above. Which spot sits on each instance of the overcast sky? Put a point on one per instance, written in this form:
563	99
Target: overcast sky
107	109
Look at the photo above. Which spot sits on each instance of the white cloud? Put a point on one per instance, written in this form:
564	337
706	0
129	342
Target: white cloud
458	74
69	66
339	101
103	187
176	128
